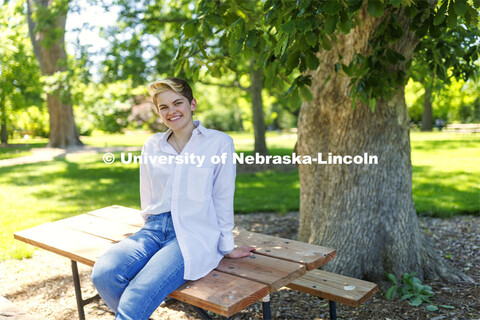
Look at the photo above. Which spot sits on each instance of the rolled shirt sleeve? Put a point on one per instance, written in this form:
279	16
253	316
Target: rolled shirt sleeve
223	194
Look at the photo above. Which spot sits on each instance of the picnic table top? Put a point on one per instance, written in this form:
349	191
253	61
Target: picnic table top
276	263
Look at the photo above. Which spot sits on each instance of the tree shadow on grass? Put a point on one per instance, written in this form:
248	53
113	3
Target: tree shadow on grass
445	194
432	145
82	186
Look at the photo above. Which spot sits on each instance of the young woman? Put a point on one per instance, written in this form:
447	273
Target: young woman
187	206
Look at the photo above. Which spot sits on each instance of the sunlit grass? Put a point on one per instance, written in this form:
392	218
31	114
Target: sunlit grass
446	182
446	173
21	147
36	193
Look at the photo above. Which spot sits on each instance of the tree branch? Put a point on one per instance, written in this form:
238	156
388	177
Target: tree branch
235	84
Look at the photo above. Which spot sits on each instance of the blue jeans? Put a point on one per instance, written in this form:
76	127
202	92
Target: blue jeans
136	274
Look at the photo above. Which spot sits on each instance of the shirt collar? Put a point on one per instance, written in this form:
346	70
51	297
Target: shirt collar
199	129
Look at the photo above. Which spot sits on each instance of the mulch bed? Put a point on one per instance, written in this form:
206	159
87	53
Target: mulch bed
43	285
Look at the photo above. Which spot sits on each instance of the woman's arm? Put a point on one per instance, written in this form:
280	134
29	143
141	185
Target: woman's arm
222	194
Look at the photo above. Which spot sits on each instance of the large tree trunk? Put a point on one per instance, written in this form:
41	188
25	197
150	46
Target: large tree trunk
427	120
256	77
366	212
50	51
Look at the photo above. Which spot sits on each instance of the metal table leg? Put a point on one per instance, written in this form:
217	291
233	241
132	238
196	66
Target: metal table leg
332	306
78	292
267	315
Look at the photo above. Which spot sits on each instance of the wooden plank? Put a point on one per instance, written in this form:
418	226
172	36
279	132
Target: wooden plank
273	272
120	214
312	256
72	244
335	287
221	293
100	227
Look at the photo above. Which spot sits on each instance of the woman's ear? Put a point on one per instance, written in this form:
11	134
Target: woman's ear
193	104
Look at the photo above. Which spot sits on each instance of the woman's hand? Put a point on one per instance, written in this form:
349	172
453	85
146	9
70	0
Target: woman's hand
240	252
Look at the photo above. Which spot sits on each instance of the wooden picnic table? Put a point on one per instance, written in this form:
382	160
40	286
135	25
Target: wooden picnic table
232	286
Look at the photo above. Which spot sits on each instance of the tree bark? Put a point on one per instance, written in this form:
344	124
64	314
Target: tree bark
3	125
256	77
366	212
52	58
427	119
3	120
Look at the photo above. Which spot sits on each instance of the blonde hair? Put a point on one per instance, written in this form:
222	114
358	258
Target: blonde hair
176	84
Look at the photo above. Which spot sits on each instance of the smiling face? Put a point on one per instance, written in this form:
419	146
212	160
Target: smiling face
175	110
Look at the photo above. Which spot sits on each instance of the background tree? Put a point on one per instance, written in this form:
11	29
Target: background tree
450	55
356	56
46	22
19	73
153	28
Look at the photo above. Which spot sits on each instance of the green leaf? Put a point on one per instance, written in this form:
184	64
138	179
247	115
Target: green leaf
251	39
440	14
330	24
267	5
293	60
375	8
432	308
289	26
306	93
460	7
347	69
447	307
372	102
416	302
325	42
238	28
390	276
260	45
331	7
392	291
452	17
336	68
476	3
214	19
311	60
189	28
207	30
311	38
396	3
345	24
407	296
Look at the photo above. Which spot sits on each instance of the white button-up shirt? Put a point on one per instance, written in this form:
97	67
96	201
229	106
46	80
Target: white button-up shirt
200	197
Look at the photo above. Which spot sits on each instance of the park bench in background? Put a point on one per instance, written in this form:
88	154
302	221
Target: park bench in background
463	127
232	286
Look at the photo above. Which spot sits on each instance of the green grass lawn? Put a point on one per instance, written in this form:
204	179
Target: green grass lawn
21	147
446	173
446	177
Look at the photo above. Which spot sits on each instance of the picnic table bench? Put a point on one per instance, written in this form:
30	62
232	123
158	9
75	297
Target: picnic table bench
234	285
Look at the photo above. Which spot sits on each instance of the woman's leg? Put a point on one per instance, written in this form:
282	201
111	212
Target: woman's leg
118	266
162	275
